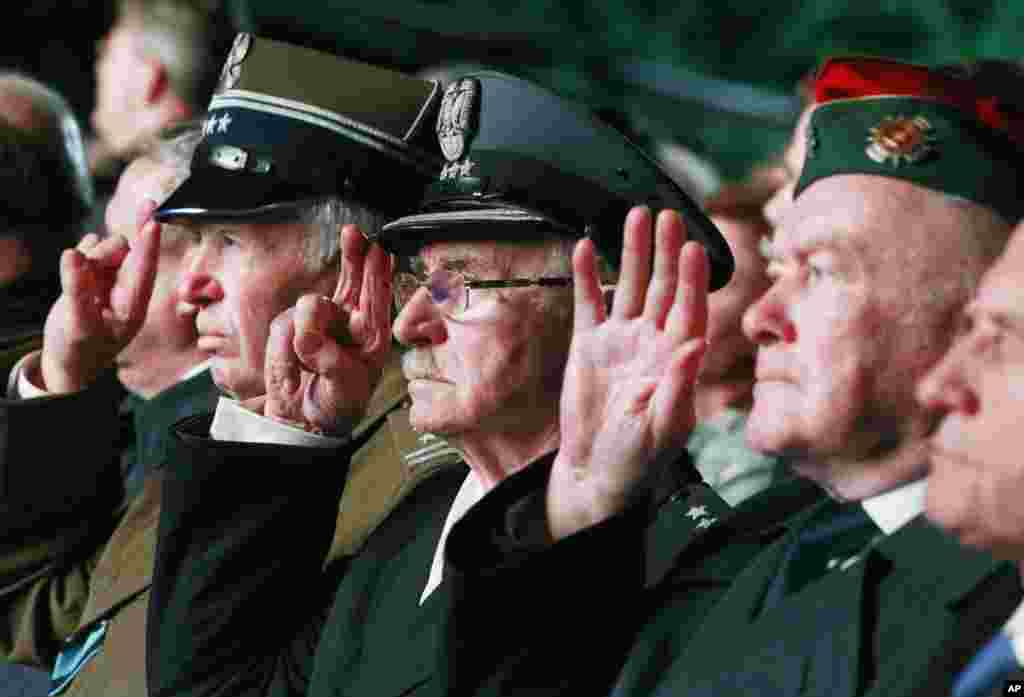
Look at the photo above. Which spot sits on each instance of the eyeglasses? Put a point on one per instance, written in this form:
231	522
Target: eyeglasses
449	290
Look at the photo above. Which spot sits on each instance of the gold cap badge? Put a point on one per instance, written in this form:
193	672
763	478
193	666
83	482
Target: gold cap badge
900	140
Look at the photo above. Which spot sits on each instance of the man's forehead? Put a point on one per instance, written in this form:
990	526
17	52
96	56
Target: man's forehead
857	213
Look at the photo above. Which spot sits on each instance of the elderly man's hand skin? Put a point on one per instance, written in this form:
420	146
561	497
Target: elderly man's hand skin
325	355
627	400
106	288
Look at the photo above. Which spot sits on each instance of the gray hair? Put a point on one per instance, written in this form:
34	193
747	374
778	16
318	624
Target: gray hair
61	126
327	216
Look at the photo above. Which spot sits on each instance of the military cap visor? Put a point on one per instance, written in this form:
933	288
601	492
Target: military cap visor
289	124
524	162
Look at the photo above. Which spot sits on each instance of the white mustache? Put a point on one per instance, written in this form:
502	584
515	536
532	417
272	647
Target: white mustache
419	363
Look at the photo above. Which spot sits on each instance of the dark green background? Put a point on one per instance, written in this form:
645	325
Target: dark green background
640	57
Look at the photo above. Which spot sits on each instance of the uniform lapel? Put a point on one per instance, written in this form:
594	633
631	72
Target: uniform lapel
969	596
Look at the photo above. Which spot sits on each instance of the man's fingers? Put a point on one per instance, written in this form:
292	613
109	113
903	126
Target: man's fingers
88	242
689	315
353	258
589	308
109	253
320	341
282	370
673	416
374	329
669	234
135	279
635	269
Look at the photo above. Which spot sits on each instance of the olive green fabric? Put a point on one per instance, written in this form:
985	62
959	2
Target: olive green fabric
961	157
214	562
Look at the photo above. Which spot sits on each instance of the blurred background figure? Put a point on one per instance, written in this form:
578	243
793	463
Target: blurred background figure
726	381
47	194
725	388
156	66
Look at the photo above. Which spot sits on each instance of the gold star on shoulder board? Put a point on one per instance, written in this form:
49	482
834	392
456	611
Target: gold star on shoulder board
901	140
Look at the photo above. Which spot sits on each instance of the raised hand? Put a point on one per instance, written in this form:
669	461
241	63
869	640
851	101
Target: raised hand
325	355
106	287
627	400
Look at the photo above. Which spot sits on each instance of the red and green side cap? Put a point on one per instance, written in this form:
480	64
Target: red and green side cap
523	163
949	129
288	124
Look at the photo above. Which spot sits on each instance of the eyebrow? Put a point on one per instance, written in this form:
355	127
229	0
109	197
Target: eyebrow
462	263
1002	318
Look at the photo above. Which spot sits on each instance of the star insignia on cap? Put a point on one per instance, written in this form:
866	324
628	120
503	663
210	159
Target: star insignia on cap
696	512
901	140
225	121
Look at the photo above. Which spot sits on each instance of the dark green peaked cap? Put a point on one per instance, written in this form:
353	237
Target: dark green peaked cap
289	124
926	142
523	161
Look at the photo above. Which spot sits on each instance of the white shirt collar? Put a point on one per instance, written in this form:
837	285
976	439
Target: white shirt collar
195	370
471	491
893	509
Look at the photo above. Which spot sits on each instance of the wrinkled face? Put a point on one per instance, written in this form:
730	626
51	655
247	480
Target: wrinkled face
977	475
241	276
730	349
792	164
845	330
498	368
165	330
121	74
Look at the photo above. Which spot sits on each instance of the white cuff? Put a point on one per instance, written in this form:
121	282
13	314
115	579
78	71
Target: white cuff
18	384
232	421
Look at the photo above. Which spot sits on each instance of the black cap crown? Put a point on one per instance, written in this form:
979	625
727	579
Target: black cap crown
524	161
289	124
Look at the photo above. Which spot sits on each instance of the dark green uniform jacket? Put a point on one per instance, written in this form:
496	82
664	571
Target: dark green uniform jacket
876	628
625	595
240	596
916	603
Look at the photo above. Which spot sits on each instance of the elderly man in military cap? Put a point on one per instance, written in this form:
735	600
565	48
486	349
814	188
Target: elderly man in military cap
485	304
905	196
80	604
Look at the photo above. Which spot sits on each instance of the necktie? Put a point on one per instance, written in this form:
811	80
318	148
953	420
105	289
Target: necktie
836	533
993	663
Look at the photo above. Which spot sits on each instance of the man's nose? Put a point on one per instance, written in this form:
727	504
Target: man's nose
420	323
947	386
767	320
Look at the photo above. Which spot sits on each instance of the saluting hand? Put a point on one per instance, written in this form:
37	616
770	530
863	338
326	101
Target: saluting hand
106	287
627	399
325	355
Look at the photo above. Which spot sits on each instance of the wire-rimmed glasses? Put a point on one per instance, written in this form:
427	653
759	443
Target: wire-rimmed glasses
449	290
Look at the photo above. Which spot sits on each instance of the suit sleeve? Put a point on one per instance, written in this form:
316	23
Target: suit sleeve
532	618
60	493
239	591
